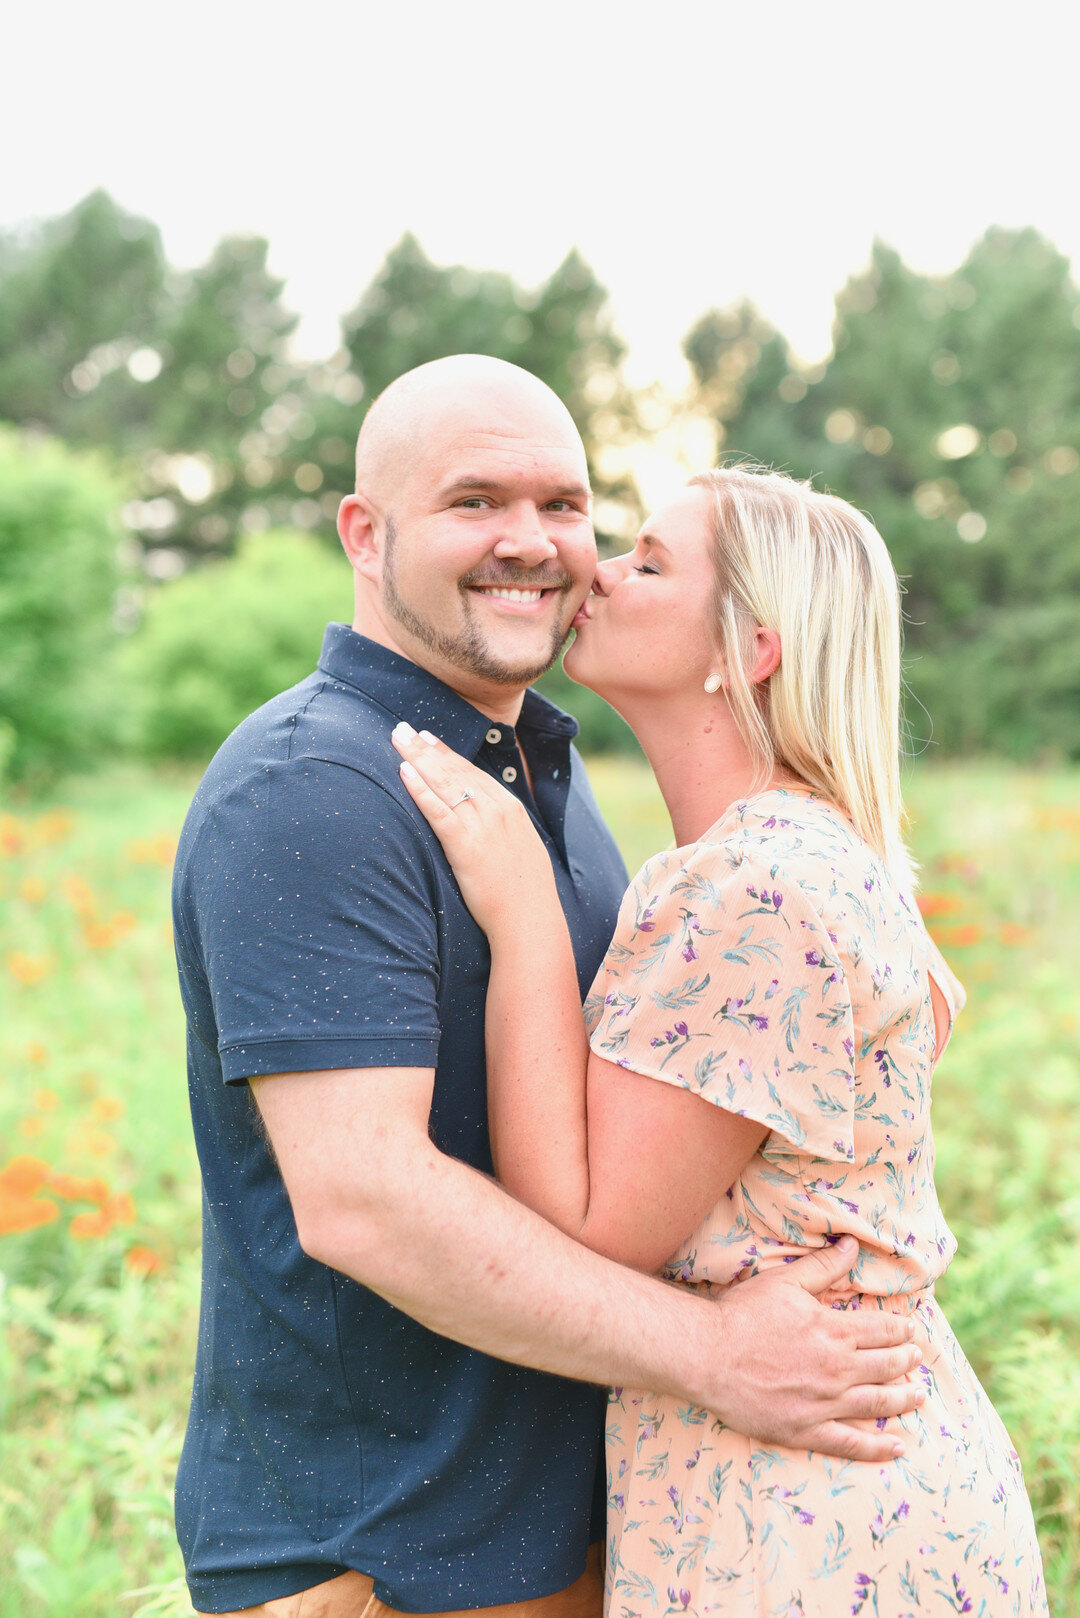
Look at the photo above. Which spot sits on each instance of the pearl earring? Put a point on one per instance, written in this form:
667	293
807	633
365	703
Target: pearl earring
713	683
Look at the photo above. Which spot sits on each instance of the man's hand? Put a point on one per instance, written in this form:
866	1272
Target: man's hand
801	1374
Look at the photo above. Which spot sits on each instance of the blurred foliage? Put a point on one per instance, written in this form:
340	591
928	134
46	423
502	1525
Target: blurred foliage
59	578
99	1190
223	640
187	377
950	410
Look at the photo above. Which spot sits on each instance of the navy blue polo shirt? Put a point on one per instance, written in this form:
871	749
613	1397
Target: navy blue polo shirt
319	926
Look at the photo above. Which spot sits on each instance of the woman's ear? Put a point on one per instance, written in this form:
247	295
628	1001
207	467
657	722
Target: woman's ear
766	654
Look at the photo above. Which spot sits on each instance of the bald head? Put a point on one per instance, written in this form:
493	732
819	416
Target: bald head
463	395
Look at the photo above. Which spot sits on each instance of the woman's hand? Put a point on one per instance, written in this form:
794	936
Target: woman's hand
501	865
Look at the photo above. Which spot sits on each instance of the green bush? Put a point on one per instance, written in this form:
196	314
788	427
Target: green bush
59	576
215	644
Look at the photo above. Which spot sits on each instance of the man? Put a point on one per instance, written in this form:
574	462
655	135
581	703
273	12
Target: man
395	1395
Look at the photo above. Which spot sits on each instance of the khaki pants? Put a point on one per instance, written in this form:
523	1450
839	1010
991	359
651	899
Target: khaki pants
352	1595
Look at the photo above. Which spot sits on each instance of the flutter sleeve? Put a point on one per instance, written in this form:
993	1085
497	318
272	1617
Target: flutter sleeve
722	979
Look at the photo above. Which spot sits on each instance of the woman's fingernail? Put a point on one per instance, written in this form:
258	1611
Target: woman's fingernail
897	1449
403	731
407	769
426	736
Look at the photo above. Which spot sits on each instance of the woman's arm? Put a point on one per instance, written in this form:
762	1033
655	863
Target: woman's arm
621	1162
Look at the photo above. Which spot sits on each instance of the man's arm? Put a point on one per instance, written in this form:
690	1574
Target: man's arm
375	1199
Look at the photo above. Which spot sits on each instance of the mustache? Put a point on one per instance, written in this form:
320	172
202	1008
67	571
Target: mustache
516	578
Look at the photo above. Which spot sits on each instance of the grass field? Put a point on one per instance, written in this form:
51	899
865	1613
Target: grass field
99	1194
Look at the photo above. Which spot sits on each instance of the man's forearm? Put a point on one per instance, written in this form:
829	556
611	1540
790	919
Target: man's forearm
469	1262
375	1199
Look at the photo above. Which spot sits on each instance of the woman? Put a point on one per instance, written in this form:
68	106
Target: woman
762	1034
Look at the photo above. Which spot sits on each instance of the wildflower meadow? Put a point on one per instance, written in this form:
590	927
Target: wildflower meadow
99	1202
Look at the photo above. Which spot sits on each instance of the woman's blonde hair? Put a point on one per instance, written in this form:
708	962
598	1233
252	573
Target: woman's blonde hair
812	568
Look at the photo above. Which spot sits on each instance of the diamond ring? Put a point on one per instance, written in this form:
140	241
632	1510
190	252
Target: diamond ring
465	796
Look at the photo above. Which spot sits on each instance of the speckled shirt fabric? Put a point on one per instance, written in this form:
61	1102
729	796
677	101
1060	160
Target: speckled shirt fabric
776	970
318	926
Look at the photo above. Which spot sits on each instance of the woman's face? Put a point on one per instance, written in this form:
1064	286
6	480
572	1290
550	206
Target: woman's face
644	630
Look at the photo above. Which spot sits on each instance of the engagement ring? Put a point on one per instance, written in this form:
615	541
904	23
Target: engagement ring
465	796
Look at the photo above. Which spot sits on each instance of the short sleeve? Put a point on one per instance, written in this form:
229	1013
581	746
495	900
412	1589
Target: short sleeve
722	979
307	906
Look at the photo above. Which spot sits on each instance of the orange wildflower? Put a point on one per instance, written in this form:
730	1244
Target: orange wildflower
54	826
46	1100
142	1260
32	889
12	836
90	1224
106	1108
98	1143
32	1127
24	1213
1012	932
120	1208
938	904
963	936
22	1176
27	968
37	1054
159	850
79	1188
79	894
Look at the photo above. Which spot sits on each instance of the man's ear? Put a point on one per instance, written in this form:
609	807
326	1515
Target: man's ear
356	526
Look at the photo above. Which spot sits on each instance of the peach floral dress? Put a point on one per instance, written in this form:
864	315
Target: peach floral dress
776	969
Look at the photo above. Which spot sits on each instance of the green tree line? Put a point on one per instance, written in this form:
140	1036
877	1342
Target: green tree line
166	409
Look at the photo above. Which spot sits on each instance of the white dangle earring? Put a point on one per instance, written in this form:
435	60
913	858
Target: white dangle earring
713	682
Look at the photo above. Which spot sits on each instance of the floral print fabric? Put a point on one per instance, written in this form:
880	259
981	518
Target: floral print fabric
776	969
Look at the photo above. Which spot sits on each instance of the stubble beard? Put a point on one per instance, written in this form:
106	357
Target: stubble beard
466	651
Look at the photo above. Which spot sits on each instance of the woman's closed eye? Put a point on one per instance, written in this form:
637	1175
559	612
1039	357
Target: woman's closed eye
645	568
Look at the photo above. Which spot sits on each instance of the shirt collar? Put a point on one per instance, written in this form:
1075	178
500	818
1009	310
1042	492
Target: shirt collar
408	691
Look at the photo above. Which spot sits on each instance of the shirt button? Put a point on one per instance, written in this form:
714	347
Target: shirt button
493	736
509	774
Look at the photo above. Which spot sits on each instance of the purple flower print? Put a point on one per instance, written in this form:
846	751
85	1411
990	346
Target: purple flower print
777	900
655	1042
770	824
681	1028
619	1502
869	884
774	988
760	1024
849	1046
903	1509
752	893
960	1596
744	1067
852	1207
813	958
647	924
805	1517
689	953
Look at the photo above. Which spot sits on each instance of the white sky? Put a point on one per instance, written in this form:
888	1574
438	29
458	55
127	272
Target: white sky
694	152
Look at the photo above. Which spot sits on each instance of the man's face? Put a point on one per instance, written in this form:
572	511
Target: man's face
488	551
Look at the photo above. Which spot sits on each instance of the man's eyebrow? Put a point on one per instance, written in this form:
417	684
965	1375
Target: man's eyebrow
469	484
